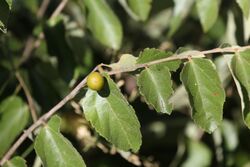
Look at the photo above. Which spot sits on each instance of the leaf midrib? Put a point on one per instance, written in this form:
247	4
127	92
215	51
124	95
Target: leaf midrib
116	117
198	87
155	88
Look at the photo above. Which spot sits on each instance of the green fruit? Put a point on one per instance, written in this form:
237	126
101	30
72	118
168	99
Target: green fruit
95	81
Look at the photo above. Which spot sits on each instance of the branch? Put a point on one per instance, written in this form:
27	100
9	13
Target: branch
74	92
41	11
28	96
182	56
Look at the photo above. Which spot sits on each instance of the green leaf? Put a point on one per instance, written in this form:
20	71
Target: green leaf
126	61
9	3
55	150
148	55
54	123
205	91
104	24
14	116
245	6
112	117
4	14
156	87
230	135
208	12
181	10
15	162
158	23
141	8
155	82
198	155
241	67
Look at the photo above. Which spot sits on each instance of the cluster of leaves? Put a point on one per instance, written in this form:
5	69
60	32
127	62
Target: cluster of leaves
68	53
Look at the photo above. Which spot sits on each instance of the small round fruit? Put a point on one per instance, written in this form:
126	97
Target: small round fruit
95	81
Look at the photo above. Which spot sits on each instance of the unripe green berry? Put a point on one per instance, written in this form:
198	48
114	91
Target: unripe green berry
95	81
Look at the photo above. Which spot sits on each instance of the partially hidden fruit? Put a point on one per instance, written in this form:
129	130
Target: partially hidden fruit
95	81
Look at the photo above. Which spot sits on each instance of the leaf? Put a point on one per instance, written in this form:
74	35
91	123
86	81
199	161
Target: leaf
245	7
158	23
155	82
9	3
126	61
148	55
246	24
205	91
230	135
55	150
245	107
181	10
179	99
208	12
198	155
54	123
141	8
156	87
112	117
14	116
15	162
4	14
241	67
104	24
129	11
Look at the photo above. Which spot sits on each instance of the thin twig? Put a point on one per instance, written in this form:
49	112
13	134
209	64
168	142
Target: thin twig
43	119
30	42
28	96
33	43
74	92
181	57
59	9
41	11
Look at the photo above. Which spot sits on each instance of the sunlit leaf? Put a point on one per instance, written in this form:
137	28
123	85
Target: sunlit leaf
112	117
205	92
208	12
14	116
157	24
198	155
4	14
149	55
181	10
230	135
9	3
126	61
245	6
15	162
156	87
54	123
241	67
140	7
54	149
104	24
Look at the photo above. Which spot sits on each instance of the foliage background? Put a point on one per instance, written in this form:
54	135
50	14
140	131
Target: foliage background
70	51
